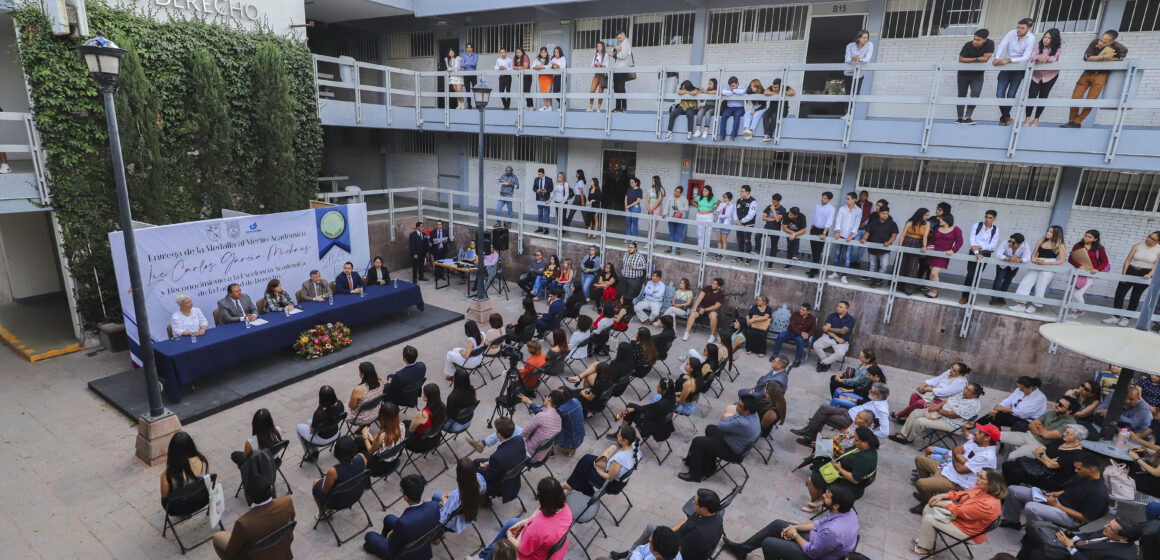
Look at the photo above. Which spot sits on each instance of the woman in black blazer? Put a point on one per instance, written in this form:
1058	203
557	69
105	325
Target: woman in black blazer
378	273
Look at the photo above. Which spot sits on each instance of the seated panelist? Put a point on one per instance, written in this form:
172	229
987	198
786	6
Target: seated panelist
276	298
236	306
316	288
349	282
187	319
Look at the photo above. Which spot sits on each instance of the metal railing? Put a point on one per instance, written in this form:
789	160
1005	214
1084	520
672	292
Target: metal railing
30	144
375	87
524	223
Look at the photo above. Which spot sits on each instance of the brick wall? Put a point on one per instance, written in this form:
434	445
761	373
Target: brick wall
1118	232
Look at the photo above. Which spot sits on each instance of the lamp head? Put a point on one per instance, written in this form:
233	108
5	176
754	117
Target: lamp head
103	58
482	95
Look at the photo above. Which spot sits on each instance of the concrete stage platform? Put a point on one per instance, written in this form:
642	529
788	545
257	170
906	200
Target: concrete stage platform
248	380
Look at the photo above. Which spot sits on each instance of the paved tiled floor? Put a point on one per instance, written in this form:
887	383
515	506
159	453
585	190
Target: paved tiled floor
73	489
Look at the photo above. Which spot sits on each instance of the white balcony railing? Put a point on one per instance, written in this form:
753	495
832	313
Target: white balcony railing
25	140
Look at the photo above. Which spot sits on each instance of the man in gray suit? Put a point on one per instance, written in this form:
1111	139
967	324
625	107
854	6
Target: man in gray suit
316	288
236	306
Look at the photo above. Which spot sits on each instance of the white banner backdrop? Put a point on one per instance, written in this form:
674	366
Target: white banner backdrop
200	259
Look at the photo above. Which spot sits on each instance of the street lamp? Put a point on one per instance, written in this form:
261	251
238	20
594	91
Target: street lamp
482	95
103	59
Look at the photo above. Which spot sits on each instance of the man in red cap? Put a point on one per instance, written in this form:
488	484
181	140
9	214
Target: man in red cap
958	471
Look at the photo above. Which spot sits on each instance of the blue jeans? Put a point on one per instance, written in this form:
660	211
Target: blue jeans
1152	511
586	282
751	120
486	552
376	543
856	253
1009	81
677	232
539	286
784	336
544	213
843	403
493	439
631	224
734	113
842	256
499	209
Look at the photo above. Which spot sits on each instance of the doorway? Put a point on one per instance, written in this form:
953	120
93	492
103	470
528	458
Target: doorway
829	36
617	168
442	47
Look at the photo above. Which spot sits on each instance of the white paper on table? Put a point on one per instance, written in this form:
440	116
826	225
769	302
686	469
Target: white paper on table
295	311
258	322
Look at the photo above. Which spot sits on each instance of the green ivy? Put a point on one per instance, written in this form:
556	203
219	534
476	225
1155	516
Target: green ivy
71	120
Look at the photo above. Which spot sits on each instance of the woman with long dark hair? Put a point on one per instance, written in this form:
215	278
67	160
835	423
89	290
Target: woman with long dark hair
390	434
614	464
593	199
534	537
314	432
946	239
579	188
183	464
702	123
1046	52
369	388
632	199
599	81
652	418
606	279
263	435
469	486
462	357
655	203
557	62
462	397
644	352
521	61
453	63
276	298
1050	250
351	463
1096	261
434	412
542	61
914	236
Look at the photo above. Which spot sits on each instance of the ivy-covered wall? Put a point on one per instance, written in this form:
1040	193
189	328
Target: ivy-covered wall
71	120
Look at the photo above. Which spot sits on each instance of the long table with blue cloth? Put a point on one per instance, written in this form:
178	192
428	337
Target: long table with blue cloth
181	362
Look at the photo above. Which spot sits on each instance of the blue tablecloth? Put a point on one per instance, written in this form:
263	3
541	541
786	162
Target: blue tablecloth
182	362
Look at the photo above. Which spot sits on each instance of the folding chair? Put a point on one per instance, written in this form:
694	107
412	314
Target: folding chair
357	483
271	540
730	368
315	448
553	368
412	390
532	463
513	474
955	542
645	441
277	451
576	354
464	417
690	509
584	510
768	439
937	437
389	456
740	462
598	406
419	447
608	491
422	543
183	503
372	404
446	530
477	368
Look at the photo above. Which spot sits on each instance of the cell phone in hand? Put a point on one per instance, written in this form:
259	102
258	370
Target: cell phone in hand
517	530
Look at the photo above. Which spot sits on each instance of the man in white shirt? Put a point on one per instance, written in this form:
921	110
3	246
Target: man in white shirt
985	240
649	308
504	62
840	418
959	470
820	226
560	193
1017	46
1015	251
622	59
845	227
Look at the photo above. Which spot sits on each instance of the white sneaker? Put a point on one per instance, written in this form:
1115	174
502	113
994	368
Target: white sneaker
685	336
712	339
588	110
1111	320
844	281
1124	321
689	136
1031	309
5	169
1017	307
833	275
668	136
766	139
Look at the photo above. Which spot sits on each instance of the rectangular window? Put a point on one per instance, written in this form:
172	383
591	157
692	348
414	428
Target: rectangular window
1118	190
898	174
929	18
507	148
491	38
967	179
759	24
773	165
412	142
1069	16
1141	15
362	49
416	44
1021	182
961	178
821	169
644	30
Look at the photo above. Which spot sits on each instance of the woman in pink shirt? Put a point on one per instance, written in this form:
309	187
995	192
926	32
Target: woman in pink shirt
535	536
1047	51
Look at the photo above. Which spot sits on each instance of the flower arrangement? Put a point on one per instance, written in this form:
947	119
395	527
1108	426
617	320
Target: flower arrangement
322	340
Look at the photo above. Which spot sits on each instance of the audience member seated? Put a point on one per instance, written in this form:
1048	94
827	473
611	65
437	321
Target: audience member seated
653	295
1051	466
605	287
187	320
832	537
571	413
801	328
697	534
349	282
559	348
412	374
844	398
737	340
432	415
614	466
578	342
620	367
378	274
709	303
727	439
859	384
467	356
350	464
390	434
368	389
525	321
644	352
1041	431
461	397
589	268
266	514
277	300
855	467
545	279
1082	500
263	435
527	281
624	313
327	413
1137	416
316	289
545	425
652	419
563	280
1148	477
535	536
236	306
509	453
843	441
662	543
1088	396
835	335
940	470
664	339
841	418
1116	541
757	327
1149	389
533	367
946	416
770	408
682	301
1023	405
970	511
469	488
398	531
184	464
691	384
936	389
549	321
711	356
778	374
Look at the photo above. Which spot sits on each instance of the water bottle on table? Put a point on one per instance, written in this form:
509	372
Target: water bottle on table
193	337
330	300
247	320
395	283
363	292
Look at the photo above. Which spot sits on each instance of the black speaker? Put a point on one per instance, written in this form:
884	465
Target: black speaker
499	239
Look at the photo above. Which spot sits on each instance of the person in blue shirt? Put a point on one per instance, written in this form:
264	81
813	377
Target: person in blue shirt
508	185
734	108
470	62
835	336
727	440
662	545
778	373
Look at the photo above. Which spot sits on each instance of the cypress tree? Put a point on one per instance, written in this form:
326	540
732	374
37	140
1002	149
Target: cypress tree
211	134
139	118
278	187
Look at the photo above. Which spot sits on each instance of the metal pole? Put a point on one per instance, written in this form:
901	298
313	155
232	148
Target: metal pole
480	285
145	341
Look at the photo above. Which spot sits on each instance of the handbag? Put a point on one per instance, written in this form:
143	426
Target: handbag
1033	467
217	499
829	472
631	62
1120	485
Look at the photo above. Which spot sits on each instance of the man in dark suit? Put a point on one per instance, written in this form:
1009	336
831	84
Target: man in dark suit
267	514
349	282
551	320
1116	541
439	237
316	289
417	243
412	375
399	531
509	453
236	306
543	189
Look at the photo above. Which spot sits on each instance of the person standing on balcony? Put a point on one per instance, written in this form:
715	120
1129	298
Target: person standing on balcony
845	227
794	224
985	240
946	238
771	218
858	52
706	213
734	108
621	59
576	196
772	114
542	62
543	188
655	204
523	62
1017	46
677	208
821	221
1141	262
978	50
1093	259
746	214
508	185
1046	52
1104	49
453	63
561	192
1050	250
504	63
599	81
469	64
1015	251
632	199
558	62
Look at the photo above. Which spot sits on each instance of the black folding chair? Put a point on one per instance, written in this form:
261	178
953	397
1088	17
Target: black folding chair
446	530
464	418
318	448
950	543
552	368
423	543
584	510
532	463
419	447
413	389
690	509
768	439
355	483
623	477
937	437
372	404
513	474
598	406
722	463
652	437
477	352
183	503
277	451
388	459
271	540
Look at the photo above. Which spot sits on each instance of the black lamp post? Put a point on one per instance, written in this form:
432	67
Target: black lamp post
482	95
103	59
